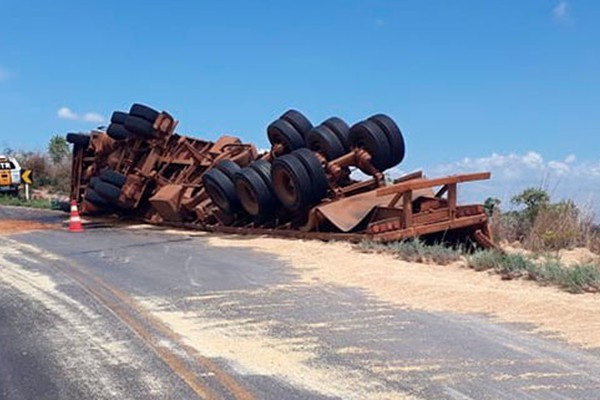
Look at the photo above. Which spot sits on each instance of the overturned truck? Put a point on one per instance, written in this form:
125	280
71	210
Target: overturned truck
303	187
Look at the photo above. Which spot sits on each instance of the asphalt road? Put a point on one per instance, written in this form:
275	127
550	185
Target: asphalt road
120	313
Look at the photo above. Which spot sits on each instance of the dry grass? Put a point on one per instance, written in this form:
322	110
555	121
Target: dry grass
416	251
555	227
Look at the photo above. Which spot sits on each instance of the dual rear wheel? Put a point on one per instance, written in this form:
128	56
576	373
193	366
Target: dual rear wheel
138	121
296	181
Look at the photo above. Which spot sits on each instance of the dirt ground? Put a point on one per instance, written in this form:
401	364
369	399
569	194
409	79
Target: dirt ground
10	226
569	257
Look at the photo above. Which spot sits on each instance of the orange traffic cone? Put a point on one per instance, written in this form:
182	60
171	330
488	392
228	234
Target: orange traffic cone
75	220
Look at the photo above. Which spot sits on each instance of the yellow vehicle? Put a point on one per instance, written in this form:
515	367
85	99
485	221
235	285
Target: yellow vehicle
10	175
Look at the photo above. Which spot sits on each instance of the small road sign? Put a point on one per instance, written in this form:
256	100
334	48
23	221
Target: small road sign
27	177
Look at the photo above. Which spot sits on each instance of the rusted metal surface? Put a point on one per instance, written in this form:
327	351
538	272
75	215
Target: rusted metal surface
142	168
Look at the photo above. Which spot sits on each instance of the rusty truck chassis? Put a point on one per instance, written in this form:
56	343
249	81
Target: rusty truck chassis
164	186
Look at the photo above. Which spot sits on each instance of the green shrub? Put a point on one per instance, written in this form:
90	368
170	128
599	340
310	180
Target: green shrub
417	251
582	278
546	270
549	271
21	202
485	260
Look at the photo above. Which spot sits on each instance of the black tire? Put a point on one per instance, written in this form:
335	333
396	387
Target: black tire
323	140
394	135
78	139
113	177
144	112
263	167
139	126
341	129
291	183
118	131
254	193
298	121
94	181
282	132
315	169
109	192
93	197
221	190
368	135
228	167
118	117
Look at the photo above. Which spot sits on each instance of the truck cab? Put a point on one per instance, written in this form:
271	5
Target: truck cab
10	175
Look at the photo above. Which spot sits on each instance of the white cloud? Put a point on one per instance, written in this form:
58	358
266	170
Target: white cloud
4	74
518	167
93	117
511	173
67	113
561	11
533	159
560	168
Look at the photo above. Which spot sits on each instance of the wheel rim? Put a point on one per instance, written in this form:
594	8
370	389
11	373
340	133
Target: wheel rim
285	187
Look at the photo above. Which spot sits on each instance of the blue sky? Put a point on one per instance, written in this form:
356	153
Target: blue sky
511	86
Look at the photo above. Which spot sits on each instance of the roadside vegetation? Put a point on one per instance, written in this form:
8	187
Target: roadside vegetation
540	225
417	251
533	236
546	270
6	200
51	174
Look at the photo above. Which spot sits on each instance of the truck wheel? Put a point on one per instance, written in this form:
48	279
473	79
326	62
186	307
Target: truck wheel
263	167
311	162
394	135
322	139
109	192
228	167
368	135
118	131
282	132
93	197
291	182
221	190
340	128
139	126
93	182
144	112
113	177
298	121
78	139
254	193
118	117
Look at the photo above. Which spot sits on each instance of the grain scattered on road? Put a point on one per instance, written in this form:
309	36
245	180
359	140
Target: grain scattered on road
451	288
251	349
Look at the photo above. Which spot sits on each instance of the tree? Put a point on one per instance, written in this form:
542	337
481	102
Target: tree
58	149
491	205
533	199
